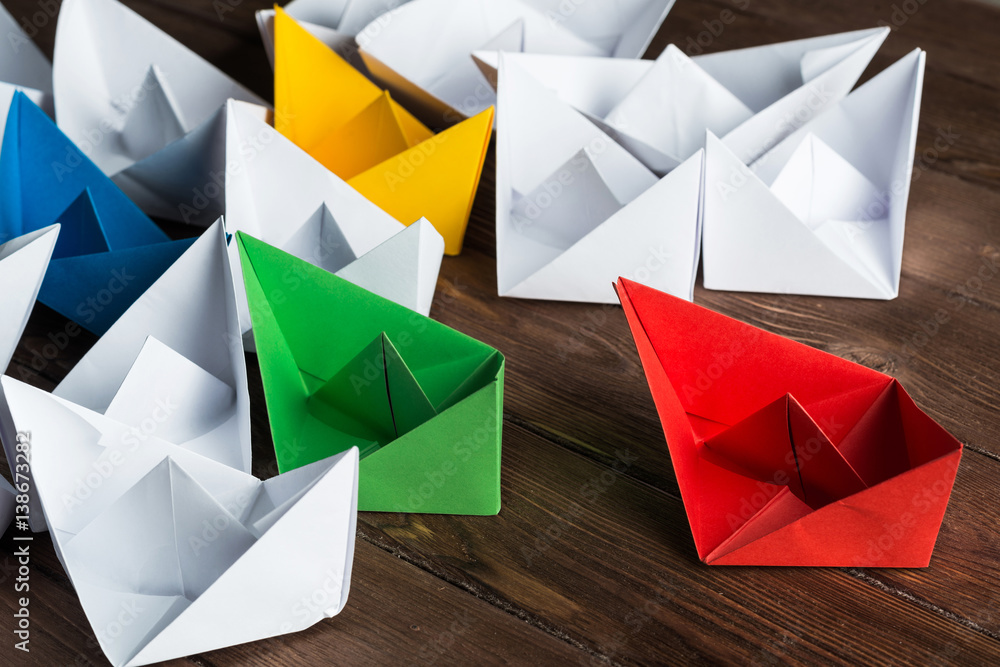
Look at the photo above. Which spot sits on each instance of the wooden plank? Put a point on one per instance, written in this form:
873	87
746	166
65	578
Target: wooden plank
621	579
396	612
587	399
53	639
610	563
458	302
963	580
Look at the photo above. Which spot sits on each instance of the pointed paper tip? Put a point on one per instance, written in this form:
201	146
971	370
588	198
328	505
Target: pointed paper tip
483	119
241	246
458	157
82	231
490	111
50	234
621	287
618	287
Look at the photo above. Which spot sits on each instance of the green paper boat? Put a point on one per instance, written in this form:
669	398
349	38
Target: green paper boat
343	367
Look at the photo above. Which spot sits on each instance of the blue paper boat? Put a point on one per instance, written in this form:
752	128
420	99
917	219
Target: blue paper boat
108	252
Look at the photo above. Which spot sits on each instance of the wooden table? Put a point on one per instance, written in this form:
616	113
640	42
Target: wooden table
591	560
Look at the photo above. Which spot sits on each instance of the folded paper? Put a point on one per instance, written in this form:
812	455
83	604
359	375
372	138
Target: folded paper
172	553
334	23
175	357
172	366
145	107
345	368
186	180
575	209
279	194
7	504
659	110
786	455
824	211
421	50
23	69
356	130
108	252
23	261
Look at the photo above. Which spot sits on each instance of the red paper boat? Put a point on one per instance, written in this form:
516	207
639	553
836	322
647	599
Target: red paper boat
786	455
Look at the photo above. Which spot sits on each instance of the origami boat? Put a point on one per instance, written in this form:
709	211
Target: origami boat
786	455
22	266
146	108
172	553
343	368
421	51
276	192
361	134
108	251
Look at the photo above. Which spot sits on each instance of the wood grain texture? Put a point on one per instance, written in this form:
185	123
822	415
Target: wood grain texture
591	559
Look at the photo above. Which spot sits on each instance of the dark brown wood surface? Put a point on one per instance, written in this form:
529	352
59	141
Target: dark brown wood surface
591	560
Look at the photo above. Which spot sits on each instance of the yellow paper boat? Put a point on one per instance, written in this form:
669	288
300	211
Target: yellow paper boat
357	131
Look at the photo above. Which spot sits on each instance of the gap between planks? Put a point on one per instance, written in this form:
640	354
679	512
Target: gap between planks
863	576
491	598
601	459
